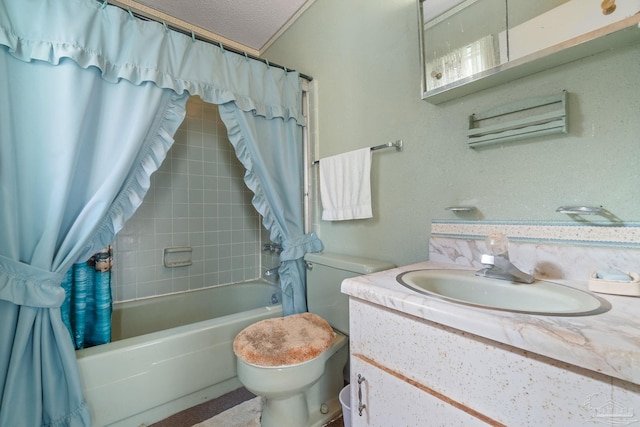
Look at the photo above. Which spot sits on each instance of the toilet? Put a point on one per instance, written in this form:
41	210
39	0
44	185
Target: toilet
300	381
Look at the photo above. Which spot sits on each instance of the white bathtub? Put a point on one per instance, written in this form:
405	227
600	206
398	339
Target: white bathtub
170	352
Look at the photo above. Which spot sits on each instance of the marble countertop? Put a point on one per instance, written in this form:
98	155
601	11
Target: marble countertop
608	343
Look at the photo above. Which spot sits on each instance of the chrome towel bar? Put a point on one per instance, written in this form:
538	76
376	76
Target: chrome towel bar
397	144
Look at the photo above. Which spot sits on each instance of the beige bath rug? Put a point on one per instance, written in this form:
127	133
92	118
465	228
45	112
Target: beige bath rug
246	414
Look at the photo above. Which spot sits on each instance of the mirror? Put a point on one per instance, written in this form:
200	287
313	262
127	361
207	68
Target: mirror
470	45
462	41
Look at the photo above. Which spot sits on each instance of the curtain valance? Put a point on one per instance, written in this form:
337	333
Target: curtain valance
97	35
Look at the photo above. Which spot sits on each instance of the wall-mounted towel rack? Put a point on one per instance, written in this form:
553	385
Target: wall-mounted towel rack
518	120
397	144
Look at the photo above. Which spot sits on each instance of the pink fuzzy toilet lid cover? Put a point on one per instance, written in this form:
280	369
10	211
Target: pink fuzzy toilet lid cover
284	341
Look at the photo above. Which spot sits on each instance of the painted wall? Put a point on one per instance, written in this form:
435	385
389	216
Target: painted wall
363	55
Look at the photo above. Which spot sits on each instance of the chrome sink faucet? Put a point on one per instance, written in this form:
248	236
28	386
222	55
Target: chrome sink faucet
497	264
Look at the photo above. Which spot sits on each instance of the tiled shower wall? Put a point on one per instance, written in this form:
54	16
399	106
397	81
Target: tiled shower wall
198	199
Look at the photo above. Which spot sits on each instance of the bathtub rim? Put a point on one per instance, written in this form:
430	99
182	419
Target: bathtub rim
258	280
156	337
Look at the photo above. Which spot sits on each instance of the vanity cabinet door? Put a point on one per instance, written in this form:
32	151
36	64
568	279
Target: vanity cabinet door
393	402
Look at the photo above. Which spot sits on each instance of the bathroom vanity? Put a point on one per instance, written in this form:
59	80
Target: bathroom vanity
430	362
424	361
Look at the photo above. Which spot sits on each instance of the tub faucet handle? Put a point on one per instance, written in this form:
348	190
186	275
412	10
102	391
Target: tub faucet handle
272	247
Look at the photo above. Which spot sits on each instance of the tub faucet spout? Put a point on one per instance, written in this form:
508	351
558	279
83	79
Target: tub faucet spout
272	272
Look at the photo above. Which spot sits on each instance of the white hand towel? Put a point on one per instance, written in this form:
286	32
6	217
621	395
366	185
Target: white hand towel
345	185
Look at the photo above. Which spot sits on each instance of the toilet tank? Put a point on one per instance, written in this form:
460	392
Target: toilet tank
325	273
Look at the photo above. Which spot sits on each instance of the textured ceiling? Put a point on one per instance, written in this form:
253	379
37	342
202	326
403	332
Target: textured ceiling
249	23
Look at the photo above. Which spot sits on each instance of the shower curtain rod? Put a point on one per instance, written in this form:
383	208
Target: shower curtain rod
146	13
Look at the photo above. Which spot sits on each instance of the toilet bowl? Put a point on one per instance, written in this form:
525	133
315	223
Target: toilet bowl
304	392
297	395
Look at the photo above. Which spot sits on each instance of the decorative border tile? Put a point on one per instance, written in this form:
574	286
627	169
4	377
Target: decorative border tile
625	235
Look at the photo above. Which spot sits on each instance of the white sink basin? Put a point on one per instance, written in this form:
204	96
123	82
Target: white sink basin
541	297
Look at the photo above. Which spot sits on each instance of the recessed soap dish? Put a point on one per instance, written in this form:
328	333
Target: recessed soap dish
177	256
616	287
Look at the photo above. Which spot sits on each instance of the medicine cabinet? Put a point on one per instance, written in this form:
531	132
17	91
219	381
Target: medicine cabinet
471	45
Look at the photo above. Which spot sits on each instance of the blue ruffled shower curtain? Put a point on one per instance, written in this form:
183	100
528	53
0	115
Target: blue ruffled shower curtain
90	100
74	165
270	151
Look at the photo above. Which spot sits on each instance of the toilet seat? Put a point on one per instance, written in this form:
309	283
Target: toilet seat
284	341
